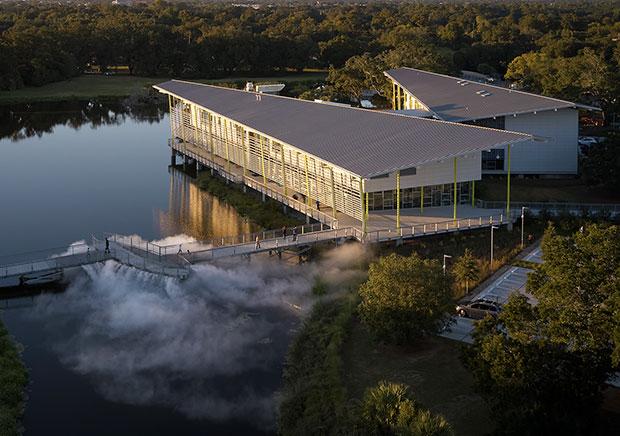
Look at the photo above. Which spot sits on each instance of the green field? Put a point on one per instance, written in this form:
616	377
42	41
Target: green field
95	86
431	368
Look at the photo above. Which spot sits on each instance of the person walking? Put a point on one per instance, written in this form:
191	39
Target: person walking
257	243
107	246
294	234
284	233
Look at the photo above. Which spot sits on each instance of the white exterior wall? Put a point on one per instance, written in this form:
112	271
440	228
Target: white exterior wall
436	173
556	156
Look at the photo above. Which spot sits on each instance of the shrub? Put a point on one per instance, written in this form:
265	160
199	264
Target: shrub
388	409
13	379
405	298
319	287
314	398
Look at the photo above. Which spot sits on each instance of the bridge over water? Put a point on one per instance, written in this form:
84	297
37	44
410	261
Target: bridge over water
177	260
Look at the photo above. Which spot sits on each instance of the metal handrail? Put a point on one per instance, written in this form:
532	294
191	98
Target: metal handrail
291	202
260	187
498	204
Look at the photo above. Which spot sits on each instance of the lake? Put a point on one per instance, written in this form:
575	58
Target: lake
119	351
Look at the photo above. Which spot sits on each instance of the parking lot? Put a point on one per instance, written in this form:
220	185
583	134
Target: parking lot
513	280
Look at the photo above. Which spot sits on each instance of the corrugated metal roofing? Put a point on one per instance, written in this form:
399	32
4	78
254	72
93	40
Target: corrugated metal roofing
455	99
365	142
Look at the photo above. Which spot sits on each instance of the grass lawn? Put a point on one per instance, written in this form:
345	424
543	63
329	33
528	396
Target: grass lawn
432	369
551	190
93	86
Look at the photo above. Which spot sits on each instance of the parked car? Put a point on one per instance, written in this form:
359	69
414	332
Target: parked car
587	140
478	309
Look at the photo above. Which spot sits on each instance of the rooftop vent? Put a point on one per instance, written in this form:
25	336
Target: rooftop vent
483	93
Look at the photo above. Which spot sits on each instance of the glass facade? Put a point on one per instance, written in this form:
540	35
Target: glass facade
493	159
434	196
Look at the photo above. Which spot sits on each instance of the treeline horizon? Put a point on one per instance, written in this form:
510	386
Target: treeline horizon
565	49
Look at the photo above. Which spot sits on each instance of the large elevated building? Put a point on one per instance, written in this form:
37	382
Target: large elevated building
348	160
554	122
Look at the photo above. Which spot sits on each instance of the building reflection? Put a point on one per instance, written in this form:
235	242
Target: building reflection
197	213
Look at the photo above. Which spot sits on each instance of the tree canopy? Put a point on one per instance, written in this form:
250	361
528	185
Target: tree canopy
542	367
564	49
405	298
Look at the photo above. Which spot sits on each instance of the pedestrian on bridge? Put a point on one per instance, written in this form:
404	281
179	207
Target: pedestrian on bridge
107	246
284	233
257	243
294	234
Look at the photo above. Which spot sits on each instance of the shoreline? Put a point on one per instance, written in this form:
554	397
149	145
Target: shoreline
87	87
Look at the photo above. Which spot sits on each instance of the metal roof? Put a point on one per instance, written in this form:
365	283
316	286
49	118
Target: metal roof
455	99
364	142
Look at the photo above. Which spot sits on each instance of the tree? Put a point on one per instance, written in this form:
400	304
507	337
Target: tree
542	367
600	164
405	298
466	269
358	74
388	409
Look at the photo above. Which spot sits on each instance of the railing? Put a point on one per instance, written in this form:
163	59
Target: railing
299	206
612	208
221	169
144	255
53	263
226	241
292	203
274	242
43	254
418	230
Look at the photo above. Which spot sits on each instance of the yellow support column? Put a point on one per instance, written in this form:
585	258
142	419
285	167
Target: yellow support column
364	206
398	199
400	103
262	159
393	96
308	200
243	147
455	193
170	116
508	186
226	142
283	171
473	193
366	211
421	200
331	171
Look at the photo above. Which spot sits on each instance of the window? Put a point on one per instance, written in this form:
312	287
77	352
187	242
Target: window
493	160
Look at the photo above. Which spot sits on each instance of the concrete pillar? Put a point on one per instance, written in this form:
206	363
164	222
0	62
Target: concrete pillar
173	158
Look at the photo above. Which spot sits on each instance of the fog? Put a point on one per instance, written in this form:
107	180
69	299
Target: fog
210	347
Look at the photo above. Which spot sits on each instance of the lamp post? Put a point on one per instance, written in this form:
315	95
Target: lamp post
523	208
492	228
445	256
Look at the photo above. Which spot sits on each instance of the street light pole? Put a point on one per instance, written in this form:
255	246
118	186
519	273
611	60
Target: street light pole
445	256
523	208
492	228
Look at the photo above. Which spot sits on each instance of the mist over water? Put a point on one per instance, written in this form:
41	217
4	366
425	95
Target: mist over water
206	347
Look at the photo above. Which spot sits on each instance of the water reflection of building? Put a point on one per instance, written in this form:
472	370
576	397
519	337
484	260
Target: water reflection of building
197	213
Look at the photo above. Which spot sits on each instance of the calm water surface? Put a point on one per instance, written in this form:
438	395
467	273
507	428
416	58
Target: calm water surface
118	351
